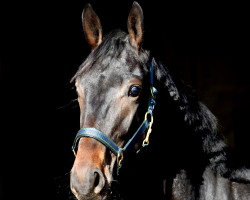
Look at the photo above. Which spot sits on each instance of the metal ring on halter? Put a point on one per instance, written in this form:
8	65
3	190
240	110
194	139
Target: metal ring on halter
146	117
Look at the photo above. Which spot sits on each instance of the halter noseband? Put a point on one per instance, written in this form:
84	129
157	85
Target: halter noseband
105	140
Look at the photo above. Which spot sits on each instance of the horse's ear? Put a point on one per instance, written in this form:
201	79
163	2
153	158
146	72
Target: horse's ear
91	26
135	25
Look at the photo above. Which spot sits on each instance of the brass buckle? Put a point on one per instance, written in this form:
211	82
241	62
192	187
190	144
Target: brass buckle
120	158
74	152
152	91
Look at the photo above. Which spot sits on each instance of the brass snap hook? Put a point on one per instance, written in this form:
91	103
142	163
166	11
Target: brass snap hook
146	140
153	91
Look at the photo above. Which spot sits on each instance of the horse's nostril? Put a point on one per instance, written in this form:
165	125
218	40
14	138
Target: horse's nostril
96	175
99	181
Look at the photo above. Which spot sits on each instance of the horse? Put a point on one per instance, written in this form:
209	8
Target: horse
143	133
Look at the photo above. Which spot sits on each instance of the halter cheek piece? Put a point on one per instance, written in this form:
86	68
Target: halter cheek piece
118	151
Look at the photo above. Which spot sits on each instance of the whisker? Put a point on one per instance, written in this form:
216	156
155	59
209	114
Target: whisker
62	186
68	104
71	196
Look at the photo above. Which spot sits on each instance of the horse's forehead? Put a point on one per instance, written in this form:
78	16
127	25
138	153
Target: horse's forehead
114	73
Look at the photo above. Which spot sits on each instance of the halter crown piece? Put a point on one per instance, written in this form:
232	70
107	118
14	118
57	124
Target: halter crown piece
105	140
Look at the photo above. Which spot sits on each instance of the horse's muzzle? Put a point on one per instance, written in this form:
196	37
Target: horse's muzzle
87	180
89	186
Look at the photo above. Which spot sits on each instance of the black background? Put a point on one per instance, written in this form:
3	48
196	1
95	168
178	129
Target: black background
42	44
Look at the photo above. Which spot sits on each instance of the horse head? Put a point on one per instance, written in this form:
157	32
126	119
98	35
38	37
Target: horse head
110	86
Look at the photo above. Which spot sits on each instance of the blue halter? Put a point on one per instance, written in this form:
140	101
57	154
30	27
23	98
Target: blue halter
116	150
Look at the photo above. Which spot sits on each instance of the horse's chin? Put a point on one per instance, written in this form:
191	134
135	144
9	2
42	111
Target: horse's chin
106	194
91	197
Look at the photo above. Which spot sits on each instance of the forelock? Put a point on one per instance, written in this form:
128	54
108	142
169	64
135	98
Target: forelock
115	46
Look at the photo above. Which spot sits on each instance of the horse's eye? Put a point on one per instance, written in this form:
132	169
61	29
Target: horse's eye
134	91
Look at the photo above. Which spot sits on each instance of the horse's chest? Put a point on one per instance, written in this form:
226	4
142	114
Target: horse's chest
215	187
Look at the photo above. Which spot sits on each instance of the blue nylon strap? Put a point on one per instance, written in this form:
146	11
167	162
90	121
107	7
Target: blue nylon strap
98	135
101	137
139	131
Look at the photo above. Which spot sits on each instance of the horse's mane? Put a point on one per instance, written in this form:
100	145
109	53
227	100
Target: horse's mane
202	123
